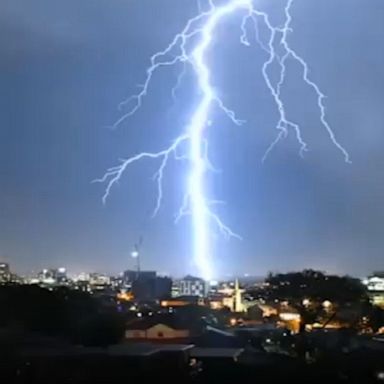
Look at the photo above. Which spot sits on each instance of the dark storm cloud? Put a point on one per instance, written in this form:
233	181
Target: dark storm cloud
66	65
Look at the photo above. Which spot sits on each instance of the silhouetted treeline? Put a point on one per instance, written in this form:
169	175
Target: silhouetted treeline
309	290
316	285
71	315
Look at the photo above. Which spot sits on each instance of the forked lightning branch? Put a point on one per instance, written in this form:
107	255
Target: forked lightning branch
191	47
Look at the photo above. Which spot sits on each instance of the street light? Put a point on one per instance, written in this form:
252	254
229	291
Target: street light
327	304
134	254
306	302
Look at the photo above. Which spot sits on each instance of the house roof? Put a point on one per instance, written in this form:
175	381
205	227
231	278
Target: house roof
169	320
191	298
192	278
219	331
132	350
198	352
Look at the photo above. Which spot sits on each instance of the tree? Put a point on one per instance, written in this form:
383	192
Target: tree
315	294
315	286
100	330
373	317
255	313
68	314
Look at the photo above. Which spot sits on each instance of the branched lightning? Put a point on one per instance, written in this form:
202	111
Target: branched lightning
189	47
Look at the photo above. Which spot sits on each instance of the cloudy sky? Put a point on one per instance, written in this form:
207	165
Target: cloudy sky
64	68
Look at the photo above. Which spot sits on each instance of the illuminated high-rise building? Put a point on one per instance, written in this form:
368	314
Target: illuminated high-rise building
193	286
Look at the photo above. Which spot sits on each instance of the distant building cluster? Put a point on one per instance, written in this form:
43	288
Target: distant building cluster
139	286
249	302
6	275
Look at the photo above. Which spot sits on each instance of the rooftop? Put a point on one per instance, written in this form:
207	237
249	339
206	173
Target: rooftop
198	352
170	320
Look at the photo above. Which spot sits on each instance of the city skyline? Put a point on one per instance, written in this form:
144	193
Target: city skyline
63	82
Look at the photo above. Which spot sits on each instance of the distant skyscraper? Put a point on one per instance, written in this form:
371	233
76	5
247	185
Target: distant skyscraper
61	275
5	273
148	286
53	276
130	276
163	287
47	277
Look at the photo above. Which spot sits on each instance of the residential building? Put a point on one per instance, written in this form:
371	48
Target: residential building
99	281
193	286
158	328
175	292
375	286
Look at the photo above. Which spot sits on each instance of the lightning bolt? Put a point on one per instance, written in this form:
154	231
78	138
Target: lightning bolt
190	47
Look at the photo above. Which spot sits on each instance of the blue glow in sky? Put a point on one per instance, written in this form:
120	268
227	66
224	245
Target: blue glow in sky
66	66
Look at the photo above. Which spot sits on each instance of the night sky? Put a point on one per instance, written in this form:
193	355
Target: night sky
66	65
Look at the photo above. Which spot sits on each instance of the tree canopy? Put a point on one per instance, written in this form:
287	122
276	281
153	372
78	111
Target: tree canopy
69	314
316	286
